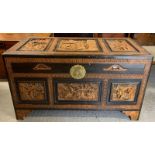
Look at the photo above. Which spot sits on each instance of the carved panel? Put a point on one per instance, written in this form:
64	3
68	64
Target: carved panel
69	91
31	91
120	45
34	91
123	91
76	91
85	45
36	44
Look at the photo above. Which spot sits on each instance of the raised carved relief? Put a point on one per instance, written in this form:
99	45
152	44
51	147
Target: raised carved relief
35	44
77	45
115	68
123	91
120	45
32	91
42	67
78	91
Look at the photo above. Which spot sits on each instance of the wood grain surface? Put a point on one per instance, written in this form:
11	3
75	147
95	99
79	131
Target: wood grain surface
115	80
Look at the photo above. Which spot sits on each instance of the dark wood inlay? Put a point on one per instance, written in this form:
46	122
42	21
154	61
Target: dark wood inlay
65	68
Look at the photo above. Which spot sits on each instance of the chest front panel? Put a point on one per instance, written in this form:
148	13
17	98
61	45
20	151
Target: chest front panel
48	82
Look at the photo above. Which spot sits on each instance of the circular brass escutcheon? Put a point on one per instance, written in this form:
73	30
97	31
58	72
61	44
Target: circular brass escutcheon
77	72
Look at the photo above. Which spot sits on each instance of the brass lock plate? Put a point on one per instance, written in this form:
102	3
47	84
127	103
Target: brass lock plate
77	72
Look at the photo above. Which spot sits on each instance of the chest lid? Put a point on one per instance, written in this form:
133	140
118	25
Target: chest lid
77	47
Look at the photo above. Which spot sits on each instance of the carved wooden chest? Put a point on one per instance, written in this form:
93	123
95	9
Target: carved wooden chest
77	73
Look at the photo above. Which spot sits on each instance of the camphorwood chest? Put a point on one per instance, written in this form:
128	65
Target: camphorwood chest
77	73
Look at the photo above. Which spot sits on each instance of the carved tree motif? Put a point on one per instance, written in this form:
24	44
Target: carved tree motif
120	45
123	92
32	91
35	44
77	45
76	91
